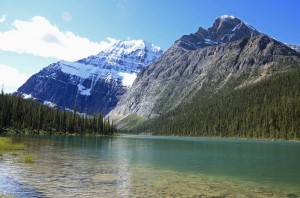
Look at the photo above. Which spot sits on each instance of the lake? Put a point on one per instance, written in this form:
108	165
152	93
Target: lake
150	166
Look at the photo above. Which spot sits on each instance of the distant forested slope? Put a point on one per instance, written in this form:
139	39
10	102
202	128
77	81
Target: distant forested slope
18	114
267	109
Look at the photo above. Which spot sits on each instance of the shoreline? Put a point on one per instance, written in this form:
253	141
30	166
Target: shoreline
211	137
41	132
12	131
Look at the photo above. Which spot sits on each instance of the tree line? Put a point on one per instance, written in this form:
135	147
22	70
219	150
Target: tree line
268	109
22	115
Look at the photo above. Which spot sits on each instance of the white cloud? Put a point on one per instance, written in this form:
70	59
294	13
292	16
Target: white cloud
39	37
3	19
11	78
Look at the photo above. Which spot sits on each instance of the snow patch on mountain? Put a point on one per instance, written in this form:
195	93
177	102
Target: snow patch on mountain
237	27
127	78
226	17
85	70
27	96
83	90
49	104
209	41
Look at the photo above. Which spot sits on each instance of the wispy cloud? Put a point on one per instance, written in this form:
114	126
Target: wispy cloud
39	37
3	19
66	16
11	78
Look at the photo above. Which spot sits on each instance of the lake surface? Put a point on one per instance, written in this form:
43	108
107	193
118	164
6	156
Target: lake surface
147	166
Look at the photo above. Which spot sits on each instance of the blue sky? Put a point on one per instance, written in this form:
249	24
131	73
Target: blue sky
35	33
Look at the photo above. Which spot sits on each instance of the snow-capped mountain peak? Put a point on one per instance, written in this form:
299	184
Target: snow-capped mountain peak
130	46
226	17
94	83
117	61
133	45
139	50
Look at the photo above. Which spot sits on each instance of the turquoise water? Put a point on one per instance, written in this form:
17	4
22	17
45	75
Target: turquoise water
151	166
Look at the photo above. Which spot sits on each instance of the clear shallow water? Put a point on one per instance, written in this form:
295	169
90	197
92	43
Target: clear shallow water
146	166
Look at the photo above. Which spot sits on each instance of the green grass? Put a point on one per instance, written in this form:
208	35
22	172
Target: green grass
5	196
28	158
6	144
129	122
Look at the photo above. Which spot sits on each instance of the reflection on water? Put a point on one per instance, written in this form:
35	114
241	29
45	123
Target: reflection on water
69	166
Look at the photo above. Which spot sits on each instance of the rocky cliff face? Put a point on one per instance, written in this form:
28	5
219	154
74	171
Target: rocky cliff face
230	49
93	84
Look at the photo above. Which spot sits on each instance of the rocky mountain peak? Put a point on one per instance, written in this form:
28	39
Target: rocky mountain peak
225	29
225	21
225	24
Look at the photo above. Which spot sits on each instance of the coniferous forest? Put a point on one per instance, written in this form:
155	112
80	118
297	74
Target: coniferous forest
18	114
268	109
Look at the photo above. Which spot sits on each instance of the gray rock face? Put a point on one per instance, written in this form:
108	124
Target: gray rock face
181	72
93	84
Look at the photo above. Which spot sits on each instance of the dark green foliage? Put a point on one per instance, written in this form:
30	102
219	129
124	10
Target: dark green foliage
26	115
268	109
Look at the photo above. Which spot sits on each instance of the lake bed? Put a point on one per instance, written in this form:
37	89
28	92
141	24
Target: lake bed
150	166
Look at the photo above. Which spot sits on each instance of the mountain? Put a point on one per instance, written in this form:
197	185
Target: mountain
202	64
295	47
93	84
224	30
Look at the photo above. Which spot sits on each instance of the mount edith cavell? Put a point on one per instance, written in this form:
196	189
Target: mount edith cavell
229	80
93	84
